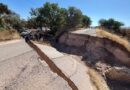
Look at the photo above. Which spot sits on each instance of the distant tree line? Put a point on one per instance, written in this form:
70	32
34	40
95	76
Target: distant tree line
52	16
56	18
110	24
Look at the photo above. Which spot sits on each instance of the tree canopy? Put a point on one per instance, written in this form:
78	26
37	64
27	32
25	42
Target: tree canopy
56	18
4	9
110	24
74	18
86	21
8	18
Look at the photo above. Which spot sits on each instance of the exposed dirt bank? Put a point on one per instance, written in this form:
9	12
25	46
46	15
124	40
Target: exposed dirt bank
95	48
110	58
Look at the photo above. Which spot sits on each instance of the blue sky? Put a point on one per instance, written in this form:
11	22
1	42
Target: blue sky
96	9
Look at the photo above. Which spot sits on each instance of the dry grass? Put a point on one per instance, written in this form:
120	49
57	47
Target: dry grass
124	42
8	35
97	80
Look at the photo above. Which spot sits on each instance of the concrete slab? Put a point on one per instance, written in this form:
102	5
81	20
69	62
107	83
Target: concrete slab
74	70
49	51
67	64
13	48
26	71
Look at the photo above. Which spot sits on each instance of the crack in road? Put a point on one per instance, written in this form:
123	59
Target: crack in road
53	67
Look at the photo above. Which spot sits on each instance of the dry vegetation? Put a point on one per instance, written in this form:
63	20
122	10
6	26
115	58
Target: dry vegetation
8	35
115	38
125	33
97	80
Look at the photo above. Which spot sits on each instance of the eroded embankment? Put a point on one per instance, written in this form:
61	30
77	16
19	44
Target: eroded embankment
109	57
96	48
